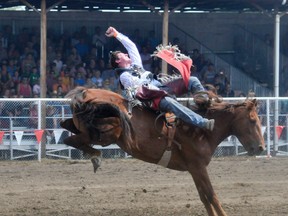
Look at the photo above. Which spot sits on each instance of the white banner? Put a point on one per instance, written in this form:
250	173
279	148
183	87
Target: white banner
229	138
57	134
263	129
18	135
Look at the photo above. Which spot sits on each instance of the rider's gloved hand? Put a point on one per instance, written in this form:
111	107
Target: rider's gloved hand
111	32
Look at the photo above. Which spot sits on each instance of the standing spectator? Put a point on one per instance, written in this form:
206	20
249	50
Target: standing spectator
3	40
152	40
5	78
3	52
82	48
13	51
137	38
146	58
209	74
99	41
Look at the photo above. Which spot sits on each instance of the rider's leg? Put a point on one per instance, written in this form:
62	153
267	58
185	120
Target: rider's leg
169	104
194	85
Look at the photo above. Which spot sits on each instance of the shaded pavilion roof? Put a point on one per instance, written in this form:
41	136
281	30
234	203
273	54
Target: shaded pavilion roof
156	5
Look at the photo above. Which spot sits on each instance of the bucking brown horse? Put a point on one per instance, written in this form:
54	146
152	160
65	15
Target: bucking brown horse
102	117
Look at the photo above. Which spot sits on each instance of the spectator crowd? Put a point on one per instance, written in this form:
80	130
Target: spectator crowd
81	59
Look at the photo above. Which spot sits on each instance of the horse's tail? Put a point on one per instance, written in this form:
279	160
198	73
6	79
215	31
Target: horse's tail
89	112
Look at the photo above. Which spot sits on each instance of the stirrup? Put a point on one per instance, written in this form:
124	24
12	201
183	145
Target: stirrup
171	119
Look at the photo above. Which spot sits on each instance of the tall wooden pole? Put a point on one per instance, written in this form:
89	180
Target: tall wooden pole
165	31
43	49
43	72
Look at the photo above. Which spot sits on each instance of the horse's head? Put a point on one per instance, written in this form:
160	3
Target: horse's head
246	126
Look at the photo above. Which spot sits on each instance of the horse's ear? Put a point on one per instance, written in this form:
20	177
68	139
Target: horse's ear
255	102
251	104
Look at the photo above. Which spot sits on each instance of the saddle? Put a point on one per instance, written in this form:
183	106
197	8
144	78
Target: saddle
150	96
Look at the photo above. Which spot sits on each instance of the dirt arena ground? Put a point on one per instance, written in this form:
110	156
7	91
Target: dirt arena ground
129	187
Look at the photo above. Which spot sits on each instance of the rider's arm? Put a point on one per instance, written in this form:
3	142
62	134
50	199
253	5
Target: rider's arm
128	44
131	49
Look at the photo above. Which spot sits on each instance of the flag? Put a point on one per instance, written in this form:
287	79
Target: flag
173	56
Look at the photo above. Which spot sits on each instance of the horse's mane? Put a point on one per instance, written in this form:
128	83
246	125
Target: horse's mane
90	111
230	106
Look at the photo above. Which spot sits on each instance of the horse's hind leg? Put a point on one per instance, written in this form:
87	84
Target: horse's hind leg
82	142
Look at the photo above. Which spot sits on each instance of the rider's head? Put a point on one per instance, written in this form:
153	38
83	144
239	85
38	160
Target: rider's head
119	60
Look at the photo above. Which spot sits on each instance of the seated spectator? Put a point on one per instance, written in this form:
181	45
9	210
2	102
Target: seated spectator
241	94
51	54
220	89
16	79
73	58
228	91
90	84
51	123
221	78
58	63
33	114
79	80
114	84
96	78
34	77
50	80
92	65
67	80
60	92
60	86
11	67
108	72
36	88
24	89
27	64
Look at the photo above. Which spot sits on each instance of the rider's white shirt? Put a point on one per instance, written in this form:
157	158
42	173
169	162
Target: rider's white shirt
126	78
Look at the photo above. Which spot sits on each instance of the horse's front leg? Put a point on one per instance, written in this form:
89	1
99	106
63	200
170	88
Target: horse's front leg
206	191
82	142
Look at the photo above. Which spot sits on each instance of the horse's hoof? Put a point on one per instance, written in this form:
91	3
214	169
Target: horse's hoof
96	161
